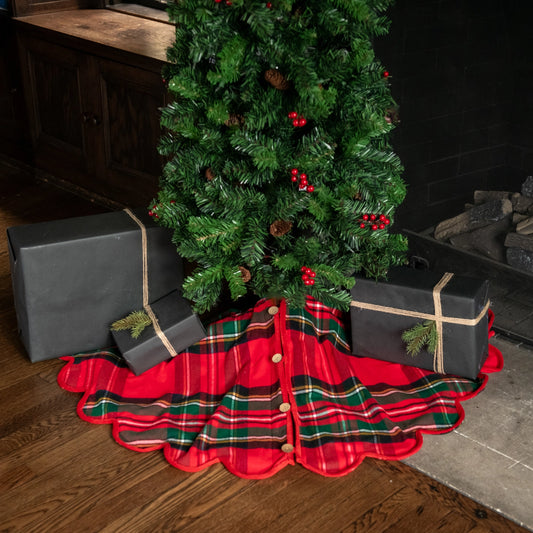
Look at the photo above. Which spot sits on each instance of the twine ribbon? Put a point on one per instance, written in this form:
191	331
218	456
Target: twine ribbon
438	317
146	305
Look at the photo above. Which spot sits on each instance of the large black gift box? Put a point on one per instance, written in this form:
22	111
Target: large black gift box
178	323
72	278
378	319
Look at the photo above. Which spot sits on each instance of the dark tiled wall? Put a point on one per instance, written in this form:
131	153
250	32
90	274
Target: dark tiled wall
456	75
520	153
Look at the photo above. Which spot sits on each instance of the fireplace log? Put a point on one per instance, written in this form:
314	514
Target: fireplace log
517	218
520	259
480	197
477	217
522	204
515	240
487	240
525	227
527	187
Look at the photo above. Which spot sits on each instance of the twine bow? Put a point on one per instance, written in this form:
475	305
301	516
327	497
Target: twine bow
146	305
438	317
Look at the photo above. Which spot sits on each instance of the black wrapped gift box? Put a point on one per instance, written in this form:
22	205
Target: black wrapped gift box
179	324
72	278
378	333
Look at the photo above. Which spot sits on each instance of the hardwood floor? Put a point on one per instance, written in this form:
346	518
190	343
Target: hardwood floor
59	473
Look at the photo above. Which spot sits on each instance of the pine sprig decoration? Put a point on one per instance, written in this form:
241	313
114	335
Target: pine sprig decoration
421	335
136	322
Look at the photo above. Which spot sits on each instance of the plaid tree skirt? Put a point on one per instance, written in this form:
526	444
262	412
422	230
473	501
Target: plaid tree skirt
265	390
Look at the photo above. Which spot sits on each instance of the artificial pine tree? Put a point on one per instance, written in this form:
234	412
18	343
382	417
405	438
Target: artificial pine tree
280	178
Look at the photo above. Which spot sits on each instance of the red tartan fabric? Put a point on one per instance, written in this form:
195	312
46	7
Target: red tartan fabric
264	391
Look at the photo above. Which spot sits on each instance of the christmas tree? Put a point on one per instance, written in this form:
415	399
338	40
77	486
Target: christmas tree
280	179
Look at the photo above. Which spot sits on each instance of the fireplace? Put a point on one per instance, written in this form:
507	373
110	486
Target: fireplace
462	74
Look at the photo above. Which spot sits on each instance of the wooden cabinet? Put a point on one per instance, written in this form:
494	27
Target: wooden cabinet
93	110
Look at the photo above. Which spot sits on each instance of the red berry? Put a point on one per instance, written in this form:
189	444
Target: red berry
386	74
382	226
156	216
310	188
218	1
382	218
302	122
310	282
172	201
308	270
150	213
228	2
293	114
374	227
362	225
312	274
269	5
303	183
295	122
294	178
372	217
365	217
303	269
303	176
294	171
305	277
387	221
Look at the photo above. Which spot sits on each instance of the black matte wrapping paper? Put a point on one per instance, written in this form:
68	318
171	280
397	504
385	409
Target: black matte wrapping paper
378	334
72	278
179	324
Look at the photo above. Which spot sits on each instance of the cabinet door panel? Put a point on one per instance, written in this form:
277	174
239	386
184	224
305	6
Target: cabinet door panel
12	112
57	102
54	80
131	99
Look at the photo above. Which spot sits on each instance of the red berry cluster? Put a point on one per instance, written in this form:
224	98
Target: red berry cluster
376	221
228	2
297	120
304	184
308	276
153	211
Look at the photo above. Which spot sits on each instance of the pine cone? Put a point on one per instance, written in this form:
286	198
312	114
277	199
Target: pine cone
280	227
234	120
277	79
209	174
392	115
245	273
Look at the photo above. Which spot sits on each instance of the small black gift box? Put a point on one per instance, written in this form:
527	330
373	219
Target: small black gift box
382	311
180	327
73	277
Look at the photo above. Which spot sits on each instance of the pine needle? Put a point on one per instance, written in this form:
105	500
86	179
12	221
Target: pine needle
135	322
423	334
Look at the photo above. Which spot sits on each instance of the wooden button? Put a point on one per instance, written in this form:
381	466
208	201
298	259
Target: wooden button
272	310
284	407
277	357
287	448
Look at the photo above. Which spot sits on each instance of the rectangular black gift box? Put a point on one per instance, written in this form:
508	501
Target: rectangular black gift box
72	278
377	332
179	324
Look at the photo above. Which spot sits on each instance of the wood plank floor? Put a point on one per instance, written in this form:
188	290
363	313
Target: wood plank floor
59	473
